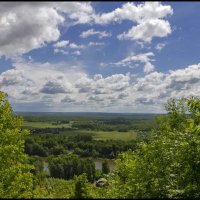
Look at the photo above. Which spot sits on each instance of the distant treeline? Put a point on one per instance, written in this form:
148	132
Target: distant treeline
54	116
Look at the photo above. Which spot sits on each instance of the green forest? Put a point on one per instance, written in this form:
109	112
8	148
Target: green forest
102	155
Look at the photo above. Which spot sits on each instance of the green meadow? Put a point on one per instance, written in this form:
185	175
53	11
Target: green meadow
114	135
28	124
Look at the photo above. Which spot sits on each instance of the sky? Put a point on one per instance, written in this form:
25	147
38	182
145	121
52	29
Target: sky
99	56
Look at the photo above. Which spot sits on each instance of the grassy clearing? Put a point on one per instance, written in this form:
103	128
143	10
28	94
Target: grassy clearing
44	125
115	135
105	135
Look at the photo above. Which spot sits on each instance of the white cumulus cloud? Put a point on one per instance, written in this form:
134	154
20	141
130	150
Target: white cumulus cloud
90	32
146	30
148	67
96	43
148	17
160	46
25	26
131	61
76	46
62	43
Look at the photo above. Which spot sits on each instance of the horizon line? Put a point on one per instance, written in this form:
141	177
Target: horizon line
88	112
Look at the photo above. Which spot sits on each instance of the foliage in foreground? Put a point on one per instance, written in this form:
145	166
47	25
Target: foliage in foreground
54	188
15	176
167	167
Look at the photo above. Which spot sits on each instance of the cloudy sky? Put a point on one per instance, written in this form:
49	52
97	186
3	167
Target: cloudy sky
99	56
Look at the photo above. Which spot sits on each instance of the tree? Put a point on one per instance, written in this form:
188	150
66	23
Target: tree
90	169
82	187
105	167
15	177
169	165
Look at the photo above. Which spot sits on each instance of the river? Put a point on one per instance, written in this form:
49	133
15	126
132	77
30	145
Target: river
97	162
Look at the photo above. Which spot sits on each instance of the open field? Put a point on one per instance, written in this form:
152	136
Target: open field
44	125
104	135
114	135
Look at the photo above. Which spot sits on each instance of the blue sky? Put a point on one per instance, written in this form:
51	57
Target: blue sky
99	56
